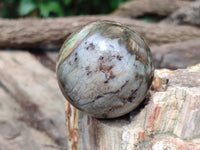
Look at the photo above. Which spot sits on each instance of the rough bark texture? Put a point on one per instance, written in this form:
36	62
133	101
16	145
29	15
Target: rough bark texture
188	15
32	107
176	55
52	32
138	8
168	119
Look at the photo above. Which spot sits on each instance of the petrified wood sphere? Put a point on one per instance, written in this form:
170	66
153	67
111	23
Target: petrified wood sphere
105	69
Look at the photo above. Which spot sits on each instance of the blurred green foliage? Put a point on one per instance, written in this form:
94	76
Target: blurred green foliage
151	18
56	8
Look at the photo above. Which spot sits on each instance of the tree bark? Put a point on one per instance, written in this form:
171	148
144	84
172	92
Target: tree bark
34	33
32	107
188	15
138	8
176	55
168	119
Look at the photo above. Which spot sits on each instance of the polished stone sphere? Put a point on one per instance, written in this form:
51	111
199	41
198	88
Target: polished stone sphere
105	69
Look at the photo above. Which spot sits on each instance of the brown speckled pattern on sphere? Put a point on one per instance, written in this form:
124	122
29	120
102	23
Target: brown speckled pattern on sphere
105	69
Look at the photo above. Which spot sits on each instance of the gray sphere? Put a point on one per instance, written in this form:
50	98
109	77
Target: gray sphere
105	69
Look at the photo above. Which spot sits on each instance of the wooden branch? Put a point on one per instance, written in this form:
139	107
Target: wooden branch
34	33
176	55
169	119
188	15
139	8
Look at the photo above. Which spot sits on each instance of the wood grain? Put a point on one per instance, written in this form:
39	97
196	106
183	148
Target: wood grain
168	119
48	33
32	107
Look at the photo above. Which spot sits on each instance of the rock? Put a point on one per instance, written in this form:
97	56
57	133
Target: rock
105	69
168	119
171	56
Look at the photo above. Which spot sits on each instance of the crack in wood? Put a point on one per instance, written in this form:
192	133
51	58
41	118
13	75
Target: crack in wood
31	115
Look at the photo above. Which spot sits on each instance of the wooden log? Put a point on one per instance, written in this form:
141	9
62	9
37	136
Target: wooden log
139	8
32	107
168	119
187	15
34	33
176	55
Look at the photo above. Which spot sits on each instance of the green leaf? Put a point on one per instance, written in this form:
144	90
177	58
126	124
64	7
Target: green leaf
44	12
50	7
114	4
67	2
25	7
146	19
